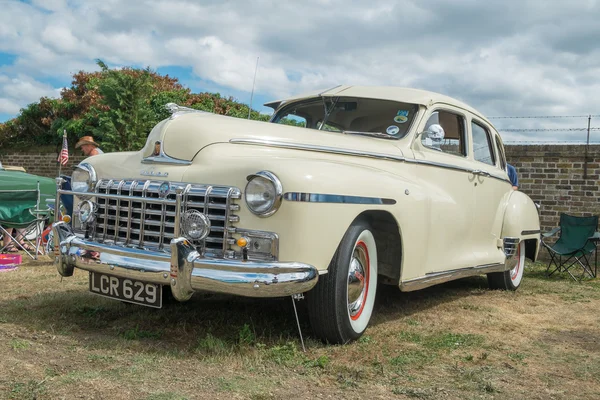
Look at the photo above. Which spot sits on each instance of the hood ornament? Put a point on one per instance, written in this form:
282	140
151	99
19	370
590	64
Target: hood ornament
176	109
158	156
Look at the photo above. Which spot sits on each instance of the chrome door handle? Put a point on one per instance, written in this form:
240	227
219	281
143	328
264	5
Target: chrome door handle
481	173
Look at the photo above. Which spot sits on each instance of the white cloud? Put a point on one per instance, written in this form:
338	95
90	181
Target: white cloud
502	57
21	90
8	107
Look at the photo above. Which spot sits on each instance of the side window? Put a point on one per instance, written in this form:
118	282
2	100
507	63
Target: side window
329	127
501	155
445	132
482	145
294	120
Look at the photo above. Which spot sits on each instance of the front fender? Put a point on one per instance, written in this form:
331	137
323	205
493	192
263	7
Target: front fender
521	220
310	231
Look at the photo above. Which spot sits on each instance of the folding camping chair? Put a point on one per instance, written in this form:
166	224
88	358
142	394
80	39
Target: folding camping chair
575	245
20	209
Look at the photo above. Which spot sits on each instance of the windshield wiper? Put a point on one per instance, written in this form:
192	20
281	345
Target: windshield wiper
380	135
327	112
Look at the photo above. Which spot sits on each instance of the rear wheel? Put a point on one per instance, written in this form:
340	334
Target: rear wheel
510	279
341	304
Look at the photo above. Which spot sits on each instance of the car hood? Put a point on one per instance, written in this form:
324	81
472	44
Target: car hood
185	135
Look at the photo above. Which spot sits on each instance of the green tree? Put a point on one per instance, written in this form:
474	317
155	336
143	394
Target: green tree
129	118
118	107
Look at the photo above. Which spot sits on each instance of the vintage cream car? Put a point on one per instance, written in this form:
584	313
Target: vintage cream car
343	190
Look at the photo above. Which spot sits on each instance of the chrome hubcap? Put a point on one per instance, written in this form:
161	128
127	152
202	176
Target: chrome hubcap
358	280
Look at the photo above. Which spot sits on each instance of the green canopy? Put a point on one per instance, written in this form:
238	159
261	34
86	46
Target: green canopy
15	206
18	195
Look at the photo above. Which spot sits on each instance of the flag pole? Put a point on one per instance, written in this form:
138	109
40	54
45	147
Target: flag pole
59	179
59	154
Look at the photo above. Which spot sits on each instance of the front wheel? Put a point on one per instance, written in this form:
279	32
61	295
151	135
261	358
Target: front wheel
509	279
341	304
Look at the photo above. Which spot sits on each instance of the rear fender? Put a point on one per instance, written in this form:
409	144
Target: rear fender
521	220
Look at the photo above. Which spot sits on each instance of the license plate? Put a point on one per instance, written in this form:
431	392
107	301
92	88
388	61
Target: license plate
124	289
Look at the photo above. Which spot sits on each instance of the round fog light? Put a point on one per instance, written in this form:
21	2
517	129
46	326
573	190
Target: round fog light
195	225
86	212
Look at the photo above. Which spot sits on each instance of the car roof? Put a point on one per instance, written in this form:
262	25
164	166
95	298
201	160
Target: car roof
400	94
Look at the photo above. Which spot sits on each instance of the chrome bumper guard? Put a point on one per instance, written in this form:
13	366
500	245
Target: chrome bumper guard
511	244
185	270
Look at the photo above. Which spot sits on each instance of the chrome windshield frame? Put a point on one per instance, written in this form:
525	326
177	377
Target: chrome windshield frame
275	118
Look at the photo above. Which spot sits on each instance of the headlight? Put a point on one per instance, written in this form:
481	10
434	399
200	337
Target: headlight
263	193
83	178
87	212
194	225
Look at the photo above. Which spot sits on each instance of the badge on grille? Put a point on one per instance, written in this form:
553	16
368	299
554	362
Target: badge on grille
164	189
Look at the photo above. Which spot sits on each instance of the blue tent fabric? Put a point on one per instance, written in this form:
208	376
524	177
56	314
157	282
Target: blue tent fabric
67	199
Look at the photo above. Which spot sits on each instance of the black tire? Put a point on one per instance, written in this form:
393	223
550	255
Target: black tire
341	304
510	279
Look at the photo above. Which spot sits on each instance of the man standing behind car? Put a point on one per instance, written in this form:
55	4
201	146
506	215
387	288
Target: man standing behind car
512	175
88	146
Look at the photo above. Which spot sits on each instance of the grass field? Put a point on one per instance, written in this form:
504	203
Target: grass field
453	341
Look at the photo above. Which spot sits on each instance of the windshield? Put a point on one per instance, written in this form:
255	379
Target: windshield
391	119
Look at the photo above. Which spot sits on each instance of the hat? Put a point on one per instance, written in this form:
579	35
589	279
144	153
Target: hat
86	140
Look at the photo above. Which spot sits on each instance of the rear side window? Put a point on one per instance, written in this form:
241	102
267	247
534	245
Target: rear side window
482	144
501	155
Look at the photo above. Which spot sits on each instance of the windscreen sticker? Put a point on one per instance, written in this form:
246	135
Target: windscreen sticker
392	130
401	117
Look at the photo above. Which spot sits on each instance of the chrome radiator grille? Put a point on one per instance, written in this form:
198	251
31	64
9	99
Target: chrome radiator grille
134	214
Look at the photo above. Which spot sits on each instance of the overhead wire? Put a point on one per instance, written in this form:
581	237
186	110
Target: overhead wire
547	129
546	116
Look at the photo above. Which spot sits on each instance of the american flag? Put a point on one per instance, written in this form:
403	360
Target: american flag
63	157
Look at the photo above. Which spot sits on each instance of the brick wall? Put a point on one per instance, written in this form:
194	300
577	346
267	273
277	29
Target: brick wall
44	164
551	174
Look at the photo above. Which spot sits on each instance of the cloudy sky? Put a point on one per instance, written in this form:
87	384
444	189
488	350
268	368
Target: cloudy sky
504	57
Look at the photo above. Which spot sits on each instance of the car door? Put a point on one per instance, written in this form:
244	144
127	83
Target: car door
444	171
491	189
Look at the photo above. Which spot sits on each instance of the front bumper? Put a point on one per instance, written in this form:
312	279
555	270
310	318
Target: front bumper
185	270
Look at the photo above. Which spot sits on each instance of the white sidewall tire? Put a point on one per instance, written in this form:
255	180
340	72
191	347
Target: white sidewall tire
516	274
360	324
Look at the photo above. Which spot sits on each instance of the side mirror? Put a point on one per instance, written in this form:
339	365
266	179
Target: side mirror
433	131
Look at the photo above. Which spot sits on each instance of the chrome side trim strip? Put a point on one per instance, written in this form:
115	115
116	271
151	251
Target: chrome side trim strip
357	153
164	159
531	232
440	165
447	276
335	198
322	149
456	168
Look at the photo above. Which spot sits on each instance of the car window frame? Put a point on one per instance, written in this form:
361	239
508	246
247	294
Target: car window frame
502	154
309	122
456	111
491	143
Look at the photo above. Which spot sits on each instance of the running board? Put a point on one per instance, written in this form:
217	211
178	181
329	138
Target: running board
436	278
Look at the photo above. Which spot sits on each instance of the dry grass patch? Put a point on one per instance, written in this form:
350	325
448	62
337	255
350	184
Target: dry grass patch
453	341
